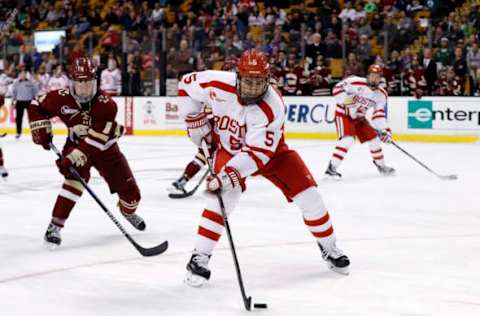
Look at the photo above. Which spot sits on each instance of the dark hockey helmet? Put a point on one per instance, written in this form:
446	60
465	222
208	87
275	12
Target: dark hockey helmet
83	76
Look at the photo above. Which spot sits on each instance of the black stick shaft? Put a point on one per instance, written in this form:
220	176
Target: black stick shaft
143	251
414	159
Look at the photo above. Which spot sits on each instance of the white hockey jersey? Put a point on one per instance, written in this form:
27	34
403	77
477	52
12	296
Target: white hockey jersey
111	81
252	133
56	83
354	98
5	82
43	81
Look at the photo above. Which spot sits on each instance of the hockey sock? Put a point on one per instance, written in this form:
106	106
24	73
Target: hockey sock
128	201
376	151
341	150
211	223
192	169
69	194
315	216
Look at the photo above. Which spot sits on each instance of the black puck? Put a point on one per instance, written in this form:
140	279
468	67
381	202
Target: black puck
260	305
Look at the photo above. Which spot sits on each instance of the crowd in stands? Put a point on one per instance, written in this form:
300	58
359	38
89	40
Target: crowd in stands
306	42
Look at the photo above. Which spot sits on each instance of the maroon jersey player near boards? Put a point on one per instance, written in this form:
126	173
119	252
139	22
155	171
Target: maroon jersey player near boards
92	142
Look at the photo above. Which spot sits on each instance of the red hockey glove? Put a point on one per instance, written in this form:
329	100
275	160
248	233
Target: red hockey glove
75	158
42	133
226	180
386	135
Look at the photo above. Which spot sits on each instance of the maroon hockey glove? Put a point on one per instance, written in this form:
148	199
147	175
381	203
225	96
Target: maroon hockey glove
42	133
75	158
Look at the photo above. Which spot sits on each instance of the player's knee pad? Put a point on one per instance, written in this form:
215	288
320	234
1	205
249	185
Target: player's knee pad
310	202
129	200
346	141
375	143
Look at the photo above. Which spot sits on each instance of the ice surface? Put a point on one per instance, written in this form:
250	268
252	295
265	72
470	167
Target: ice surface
414	240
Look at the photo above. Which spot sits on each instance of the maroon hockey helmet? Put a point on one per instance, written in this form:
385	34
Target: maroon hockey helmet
83	75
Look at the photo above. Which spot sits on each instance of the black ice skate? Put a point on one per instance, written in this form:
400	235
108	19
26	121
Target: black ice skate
178	186
52	236
197	270
335	259
332	172
3	172
135	220
384	170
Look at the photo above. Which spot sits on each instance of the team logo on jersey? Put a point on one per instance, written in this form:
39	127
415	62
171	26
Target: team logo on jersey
213	96
420	114
66	110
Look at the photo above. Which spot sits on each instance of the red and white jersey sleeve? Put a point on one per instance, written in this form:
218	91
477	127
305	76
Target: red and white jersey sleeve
354	98
191	92
111	81
264	131
379	119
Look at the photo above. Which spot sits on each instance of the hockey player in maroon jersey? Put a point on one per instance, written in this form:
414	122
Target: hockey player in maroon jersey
92	142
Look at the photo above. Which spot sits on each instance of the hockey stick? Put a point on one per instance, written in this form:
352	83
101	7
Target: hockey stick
189	193
247	301
146	252
443	177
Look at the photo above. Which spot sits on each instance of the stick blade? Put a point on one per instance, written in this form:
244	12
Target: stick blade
154	251
449	177
180	195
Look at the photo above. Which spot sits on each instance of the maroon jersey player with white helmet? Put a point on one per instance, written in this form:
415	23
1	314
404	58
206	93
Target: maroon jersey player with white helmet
92	142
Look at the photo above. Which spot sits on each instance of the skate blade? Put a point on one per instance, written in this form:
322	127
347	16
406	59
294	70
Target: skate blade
343	271
331	178
50	246
194	280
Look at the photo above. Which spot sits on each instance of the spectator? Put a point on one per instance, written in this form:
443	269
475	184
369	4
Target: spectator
364	28
23	92
316	48
132	83
473	62
184	59
460	64
448	84
364	51
348	12
444	54
430	67
353	66
333	49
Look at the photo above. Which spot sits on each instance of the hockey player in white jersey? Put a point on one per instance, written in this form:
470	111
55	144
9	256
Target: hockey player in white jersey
247	137
354	96
5	81
111	79
59	80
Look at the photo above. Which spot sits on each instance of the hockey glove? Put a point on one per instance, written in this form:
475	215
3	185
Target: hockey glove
42	133
198	127
386	135
75	158
226	180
